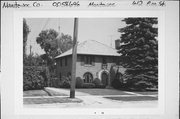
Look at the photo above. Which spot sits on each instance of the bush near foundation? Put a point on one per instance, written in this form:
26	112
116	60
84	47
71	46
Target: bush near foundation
88	85
65	83
98	83
33	78
79	82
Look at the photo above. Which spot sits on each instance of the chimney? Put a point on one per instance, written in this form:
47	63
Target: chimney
117	43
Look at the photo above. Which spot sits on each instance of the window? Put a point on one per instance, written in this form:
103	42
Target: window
65	61
61	62
88	77
104	60
89	60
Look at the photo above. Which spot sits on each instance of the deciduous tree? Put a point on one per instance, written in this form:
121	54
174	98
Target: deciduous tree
53	44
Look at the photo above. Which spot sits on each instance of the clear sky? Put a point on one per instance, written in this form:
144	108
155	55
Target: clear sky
104	30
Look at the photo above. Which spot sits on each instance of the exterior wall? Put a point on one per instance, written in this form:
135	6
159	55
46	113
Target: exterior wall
93	69
63	70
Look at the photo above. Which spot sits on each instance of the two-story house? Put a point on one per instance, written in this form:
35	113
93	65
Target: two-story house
94	60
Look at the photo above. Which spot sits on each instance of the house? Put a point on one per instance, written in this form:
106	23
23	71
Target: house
94	60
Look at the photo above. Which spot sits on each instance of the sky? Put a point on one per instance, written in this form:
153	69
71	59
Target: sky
104	30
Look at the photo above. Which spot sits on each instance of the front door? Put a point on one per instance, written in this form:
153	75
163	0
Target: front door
104	78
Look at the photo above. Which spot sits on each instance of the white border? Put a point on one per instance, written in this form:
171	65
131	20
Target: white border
18	61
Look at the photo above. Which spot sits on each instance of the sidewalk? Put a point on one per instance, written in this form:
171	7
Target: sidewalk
84	100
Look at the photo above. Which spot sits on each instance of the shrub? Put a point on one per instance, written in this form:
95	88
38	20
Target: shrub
65	83
118	81
142	85
88	85
79	82
32	78
100	86
97	81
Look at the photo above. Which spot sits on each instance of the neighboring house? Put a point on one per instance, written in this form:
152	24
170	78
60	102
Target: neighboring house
94	60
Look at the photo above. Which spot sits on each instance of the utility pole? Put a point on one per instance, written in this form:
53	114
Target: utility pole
74	58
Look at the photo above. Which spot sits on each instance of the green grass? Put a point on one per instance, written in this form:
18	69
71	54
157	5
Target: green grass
102	91
133	98
34	93
41	93
54	93
50	100
148	93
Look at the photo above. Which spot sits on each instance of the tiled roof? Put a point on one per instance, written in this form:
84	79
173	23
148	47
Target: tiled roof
92	47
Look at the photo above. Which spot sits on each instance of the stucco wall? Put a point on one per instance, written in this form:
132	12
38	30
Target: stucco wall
94	70
81	69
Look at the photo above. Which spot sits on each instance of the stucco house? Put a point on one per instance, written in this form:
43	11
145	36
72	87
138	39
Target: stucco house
94	60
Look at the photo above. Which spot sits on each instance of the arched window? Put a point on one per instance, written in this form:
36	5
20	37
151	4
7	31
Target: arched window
88	77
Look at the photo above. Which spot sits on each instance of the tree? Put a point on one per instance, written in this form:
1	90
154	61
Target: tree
33	60
26	31
53	45
139	51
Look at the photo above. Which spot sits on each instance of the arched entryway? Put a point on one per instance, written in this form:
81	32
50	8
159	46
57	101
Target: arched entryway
104	78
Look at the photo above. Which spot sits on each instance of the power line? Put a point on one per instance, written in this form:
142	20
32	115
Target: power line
45	24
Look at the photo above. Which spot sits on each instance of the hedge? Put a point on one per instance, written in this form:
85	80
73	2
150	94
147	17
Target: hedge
66	83
34	78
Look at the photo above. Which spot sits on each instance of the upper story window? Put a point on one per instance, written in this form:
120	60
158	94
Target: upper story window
65	61
61	62
104	61
87	60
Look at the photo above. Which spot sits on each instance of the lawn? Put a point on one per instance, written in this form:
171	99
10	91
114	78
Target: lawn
34	93
103	91
53	93
114	92
50	100
41	93
147	92
134	98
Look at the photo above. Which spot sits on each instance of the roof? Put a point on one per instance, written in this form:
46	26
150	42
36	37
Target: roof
92	47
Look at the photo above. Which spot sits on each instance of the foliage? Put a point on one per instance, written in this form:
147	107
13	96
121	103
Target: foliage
53	45
117	82
79	82
33	78
65	83
96	81
26	31
88	85
31	60
139	50
100	86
